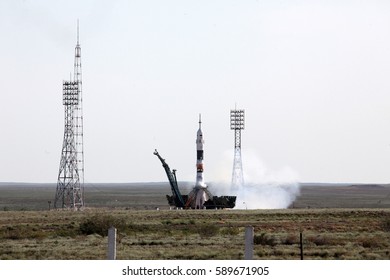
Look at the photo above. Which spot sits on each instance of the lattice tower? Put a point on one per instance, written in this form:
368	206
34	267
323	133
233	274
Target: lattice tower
70	183
237	124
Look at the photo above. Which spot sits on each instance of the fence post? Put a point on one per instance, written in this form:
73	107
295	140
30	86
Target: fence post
111	255
249	243
301	244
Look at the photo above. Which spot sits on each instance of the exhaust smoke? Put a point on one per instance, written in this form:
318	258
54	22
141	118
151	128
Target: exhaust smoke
263	188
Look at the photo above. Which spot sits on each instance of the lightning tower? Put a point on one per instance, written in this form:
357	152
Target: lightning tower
70	183
237	124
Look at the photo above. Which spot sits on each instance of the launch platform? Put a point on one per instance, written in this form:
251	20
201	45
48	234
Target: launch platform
200	196
216	202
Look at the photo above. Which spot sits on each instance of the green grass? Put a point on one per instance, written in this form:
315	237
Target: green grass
150	234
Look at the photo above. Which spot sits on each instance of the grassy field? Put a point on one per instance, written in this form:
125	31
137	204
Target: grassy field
342	222
200	234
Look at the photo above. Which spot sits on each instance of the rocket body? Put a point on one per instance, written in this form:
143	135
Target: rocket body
200	186
199	157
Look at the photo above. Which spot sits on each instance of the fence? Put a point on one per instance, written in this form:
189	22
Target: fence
249	244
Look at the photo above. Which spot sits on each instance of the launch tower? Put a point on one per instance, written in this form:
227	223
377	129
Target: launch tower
237	124
70	183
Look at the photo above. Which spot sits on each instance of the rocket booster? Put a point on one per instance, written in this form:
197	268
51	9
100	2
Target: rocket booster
199	156
200	189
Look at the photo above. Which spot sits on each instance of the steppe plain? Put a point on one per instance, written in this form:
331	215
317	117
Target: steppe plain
337	221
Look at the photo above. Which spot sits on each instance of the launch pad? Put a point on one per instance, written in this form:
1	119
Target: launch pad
189	201
199	197
216	202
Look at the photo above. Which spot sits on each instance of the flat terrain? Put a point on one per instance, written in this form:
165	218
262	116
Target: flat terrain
196	234
148	196
343	196
337	222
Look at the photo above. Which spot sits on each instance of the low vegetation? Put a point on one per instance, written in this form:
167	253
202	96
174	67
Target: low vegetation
99	224
150	234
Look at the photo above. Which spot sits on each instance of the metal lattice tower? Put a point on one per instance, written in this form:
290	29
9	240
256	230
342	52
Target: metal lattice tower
70	184
237	124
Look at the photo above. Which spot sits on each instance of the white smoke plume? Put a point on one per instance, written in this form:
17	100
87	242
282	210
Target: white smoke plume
263	188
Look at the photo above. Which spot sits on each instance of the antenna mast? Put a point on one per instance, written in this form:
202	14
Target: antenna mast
70	183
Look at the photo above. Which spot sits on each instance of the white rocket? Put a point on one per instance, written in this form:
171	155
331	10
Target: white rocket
200	186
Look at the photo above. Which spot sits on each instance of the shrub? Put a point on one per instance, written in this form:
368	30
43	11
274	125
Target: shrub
166	222
338	254
386	225
231	230
207	230
371	242
321	253
322	240
23	232
264	239
100	224
291	239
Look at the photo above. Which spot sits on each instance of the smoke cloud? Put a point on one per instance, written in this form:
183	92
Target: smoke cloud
263	188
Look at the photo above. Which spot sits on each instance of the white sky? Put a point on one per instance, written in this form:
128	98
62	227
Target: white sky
312	76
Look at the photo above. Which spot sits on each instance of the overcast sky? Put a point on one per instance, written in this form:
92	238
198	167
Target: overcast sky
312	76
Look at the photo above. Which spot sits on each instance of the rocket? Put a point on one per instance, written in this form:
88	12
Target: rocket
200	186
199	156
